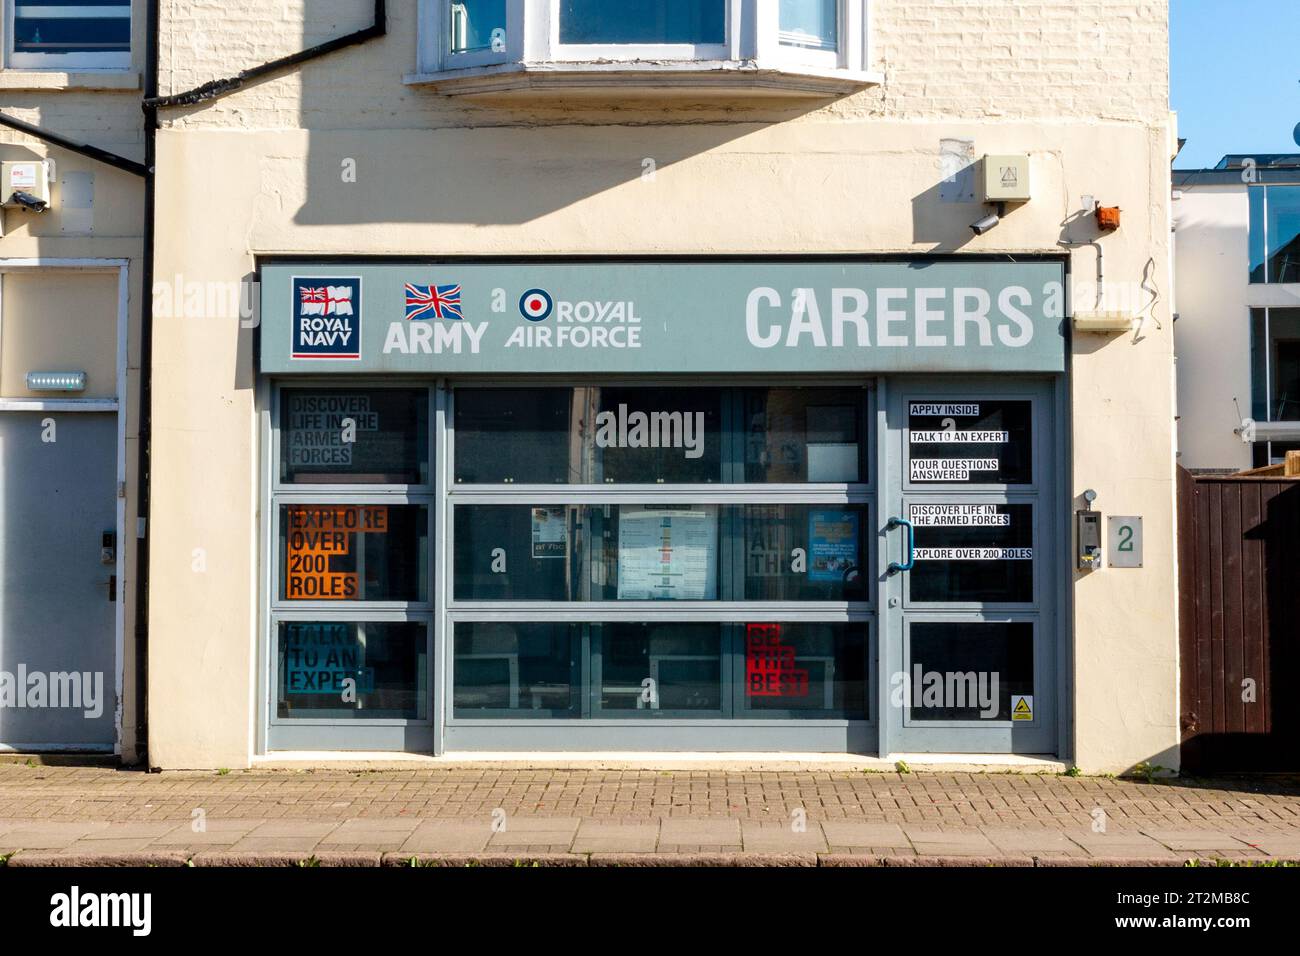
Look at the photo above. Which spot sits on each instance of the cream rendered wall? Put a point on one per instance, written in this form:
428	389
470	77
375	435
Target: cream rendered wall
102	109
1211	248
1081	89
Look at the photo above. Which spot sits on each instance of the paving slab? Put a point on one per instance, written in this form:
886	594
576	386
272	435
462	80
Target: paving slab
1195	840
757	838
1031	840
929	841
447	836
844	834
691	831
616	838
1120	844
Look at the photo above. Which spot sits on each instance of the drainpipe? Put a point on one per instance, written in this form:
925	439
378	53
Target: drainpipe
146	389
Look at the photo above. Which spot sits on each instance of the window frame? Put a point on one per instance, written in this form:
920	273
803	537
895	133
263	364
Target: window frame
280	609
734	611
55	62
752	36
558	52
1258	238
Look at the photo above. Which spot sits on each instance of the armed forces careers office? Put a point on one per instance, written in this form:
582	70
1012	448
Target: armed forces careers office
660	396
800	505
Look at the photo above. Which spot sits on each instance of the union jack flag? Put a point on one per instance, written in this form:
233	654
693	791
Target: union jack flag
442	300
325	300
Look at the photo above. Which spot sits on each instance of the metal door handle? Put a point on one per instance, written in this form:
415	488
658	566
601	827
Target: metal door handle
909	547
112	588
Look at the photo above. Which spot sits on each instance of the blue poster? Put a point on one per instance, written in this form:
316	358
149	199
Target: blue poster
832	545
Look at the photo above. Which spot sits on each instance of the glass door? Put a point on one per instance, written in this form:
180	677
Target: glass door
969	580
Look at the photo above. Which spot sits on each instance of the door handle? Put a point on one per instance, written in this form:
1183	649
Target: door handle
112	588
909	546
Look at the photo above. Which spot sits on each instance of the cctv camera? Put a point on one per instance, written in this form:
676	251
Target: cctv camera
28	201
985	224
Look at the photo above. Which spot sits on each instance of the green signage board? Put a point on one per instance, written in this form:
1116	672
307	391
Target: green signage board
663	317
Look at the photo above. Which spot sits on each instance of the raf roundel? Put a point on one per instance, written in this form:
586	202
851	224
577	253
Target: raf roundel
536	304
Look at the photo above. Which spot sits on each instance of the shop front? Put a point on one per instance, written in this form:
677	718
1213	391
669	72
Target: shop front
812	505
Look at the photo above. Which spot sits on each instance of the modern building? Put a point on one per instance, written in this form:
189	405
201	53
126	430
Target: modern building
72	263
1237	258
716	375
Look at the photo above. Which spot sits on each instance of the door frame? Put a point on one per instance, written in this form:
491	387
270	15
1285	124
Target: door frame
117	406
1051	607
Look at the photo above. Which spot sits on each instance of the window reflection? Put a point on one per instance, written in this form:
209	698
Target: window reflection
805	670
517	669
643	21
477	25
798	435
667	435
811	24
655	669
352	670
1275	234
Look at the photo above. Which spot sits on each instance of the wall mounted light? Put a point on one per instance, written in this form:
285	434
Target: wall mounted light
56	381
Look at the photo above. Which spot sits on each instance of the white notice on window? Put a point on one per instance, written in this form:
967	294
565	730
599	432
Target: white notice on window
950	469
668	554
959	516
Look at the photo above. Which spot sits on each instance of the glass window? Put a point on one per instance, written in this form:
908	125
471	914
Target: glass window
1275	234
477	25
967	670
972	552
354	552
660	669
516	669
1258	254
811	24
643	21
804	553
588	436
799	435
970	442
586	553
354	436
1275	364
72	26
805	670
352	669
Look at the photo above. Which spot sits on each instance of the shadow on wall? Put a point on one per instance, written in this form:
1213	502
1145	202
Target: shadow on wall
415	156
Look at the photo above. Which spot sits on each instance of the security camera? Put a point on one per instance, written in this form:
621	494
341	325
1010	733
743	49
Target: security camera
985	224
28	201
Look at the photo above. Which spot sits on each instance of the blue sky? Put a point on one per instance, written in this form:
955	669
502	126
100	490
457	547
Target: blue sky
1235	77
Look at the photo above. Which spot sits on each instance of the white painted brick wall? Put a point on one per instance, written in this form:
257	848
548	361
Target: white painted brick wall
969	59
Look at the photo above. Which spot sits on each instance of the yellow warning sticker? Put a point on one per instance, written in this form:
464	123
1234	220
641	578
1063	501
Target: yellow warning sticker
1022	707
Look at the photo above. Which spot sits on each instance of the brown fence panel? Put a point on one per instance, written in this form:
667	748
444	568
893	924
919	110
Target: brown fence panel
1239	609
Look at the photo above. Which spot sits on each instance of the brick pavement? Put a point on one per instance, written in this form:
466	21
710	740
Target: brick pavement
51	814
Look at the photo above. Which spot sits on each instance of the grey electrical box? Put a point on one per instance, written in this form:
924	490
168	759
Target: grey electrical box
1088	539
1005	179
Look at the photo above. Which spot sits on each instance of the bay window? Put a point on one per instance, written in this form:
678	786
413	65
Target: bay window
801	47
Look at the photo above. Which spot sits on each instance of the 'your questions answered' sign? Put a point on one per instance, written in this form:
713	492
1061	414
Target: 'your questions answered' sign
694	317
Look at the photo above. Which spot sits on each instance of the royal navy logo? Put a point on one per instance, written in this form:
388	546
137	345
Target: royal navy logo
327	318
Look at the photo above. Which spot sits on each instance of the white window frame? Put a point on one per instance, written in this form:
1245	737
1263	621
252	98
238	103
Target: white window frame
851	37
62	61
556	52
752	34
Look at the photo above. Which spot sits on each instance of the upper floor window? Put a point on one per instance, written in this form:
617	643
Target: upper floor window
1275	233
698	22
494	46
68	34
